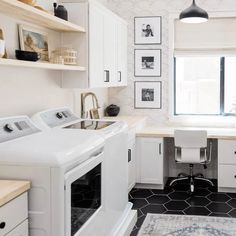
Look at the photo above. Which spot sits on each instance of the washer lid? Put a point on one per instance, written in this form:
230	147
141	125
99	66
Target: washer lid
54	147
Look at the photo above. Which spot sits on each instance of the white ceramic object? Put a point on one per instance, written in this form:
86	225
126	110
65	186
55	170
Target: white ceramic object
2	48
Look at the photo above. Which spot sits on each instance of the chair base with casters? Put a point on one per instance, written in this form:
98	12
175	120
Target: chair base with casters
191	177
191	148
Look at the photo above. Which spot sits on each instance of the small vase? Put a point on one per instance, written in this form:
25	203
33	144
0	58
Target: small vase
60	11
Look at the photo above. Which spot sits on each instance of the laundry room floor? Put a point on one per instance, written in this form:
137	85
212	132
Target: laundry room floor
177	200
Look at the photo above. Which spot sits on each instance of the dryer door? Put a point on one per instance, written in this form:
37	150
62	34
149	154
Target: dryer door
83	186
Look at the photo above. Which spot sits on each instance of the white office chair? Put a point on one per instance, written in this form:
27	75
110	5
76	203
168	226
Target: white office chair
191	148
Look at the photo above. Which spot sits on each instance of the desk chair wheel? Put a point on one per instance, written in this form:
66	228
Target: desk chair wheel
191	185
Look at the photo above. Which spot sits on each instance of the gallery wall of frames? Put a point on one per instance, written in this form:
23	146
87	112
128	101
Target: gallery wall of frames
147	62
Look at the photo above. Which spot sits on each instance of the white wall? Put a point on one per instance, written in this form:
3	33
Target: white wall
124	97
26	91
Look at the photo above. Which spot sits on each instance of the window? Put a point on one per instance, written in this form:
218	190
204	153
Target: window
205	85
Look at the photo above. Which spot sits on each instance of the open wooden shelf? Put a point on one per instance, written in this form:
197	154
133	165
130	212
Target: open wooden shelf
40	65
27	13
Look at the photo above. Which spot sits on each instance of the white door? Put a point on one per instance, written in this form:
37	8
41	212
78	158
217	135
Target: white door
96	46
121	73
150	163
109	49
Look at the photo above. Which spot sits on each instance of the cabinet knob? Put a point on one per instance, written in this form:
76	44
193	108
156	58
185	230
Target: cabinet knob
235	152
2	225
235	176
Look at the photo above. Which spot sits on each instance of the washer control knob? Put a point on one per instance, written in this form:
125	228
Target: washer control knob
59	115
8	128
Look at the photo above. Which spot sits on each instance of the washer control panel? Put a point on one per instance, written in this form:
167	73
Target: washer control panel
58	117
16	127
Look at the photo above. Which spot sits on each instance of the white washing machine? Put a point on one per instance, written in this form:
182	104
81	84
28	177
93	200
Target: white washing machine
120	217
66	170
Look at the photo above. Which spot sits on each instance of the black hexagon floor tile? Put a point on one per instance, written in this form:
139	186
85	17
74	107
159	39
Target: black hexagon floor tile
232	203
174	212
179	195
176	205
158	199
140	213
232	195
140	221
218	197
201	192
219	214
162	191
153	209
198	201
138	202
219	207
134	232
202	211
232	213
141	193
181	187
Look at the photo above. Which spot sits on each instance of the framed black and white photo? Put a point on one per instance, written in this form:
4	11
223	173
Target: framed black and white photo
147	62
147	95
147	30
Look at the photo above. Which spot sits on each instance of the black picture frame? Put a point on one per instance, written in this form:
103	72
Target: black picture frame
159	42
147	75
160	95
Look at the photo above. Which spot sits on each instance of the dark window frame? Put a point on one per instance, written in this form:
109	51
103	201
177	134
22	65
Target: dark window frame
222	93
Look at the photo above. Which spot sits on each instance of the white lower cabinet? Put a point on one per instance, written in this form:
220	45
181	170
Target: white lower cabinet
227	165
12	214
150	161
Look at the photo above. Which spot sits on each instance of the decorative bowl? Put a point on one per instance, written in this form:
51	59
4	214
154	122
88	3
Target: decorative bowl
112	110
27	56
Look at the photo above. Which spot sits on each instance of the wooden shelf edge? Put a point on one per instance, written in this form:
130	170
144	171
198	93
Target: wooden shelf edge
30	14
40	65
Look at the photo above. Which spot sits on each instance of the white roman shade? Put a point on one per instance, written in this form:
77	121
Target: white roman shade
216	35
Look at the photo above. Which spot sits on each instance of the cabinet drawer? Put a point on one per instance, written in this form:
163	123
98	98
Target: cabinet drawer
227	152
13	213
21	230
227	176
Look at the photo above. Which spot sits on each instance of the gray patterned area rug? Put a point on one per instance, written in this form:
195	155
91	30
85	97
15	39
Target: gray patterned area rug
182	225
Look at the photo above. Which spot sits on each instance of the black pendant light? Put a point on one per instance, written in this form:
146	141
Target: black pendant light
193	14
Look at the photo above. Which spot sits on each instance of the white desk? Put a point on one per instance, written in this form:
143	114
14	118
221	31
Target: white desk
152	166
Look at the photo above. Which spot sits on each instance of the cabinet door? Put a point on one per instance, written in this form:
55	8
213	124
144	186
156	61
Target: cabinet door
150	154
96	46
110	49
131	164
121	73
20	230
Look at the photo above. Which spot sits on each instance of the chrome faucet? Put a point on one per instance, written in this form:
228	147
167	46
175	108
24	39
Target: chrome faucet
84	113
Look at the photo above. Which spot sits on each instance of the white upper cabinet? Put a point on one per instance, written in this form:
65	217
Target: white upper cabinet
106	45
121	69
96	60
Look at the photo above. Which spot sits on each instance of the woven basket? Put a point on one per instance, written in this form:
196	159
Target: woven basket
69	55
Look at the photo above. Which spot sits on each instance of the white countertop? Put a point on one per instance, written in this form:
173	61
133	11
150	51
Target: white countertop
218	133
131	121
